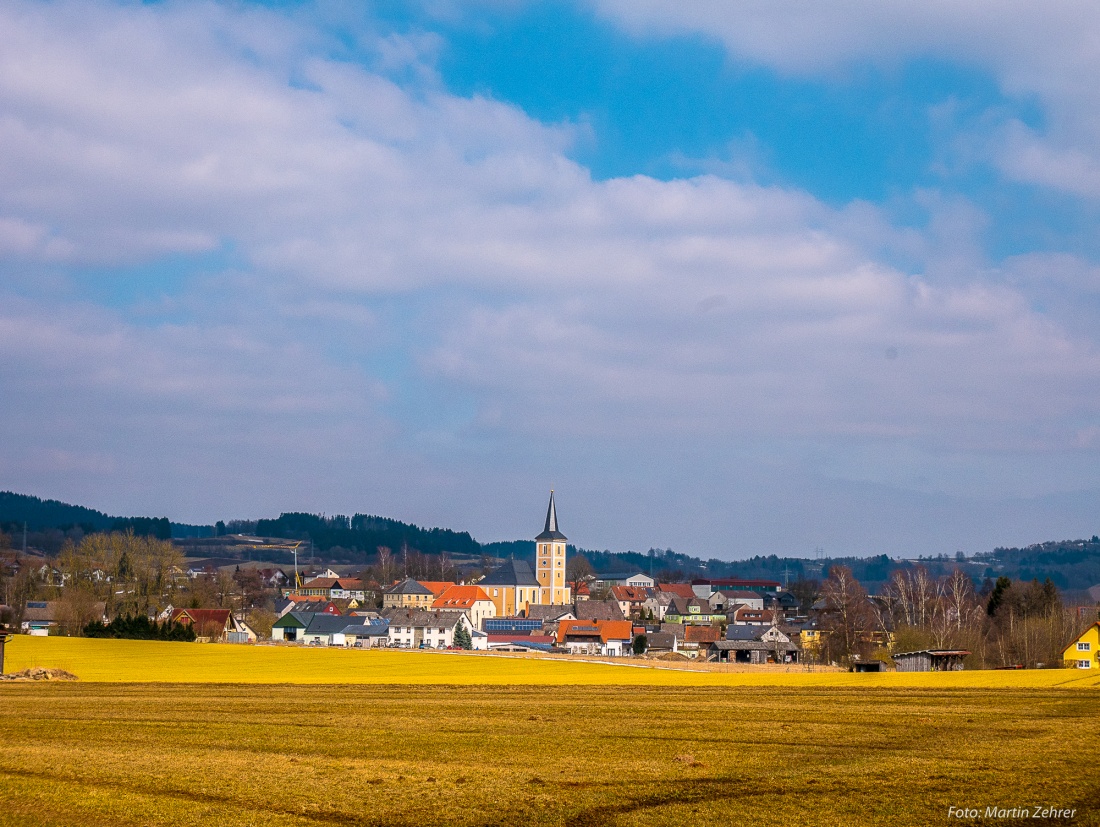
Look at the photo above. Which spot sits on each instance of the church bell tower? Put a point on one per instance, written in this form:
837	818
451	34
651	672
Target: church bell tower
550	561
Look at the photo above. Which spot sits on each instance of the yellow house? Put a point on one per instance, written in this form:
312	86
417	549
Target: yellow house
1084	653
408	594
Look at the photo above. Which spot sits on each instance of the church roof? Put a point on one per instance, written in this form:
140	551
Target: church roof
512	573
551	531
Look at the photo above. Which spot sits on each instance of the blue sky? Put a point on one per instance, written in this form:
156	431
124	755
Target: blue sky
733	278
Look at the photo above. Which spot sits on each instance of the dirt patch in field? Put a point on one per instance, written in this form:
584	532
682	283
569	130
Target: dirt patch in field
37	673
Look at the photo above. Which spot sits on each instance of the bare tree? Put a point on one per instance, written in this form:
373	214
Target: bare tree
848	614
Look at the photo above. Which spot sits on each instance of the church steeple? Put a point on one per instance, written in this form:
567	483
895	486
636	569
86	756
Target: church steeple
550	561
551	531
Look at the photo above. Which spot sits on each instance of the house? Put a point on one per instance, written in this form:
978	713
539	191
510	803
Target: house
744	616
470	599
408	594
611	638
683	590
631	599
635	580
305	603
370	635
40	616
436	587
214	624
722	600
290	626
423	629
656	605
698	638
658	643
330	588
329	630
754	644
692	610
1084	652
931	660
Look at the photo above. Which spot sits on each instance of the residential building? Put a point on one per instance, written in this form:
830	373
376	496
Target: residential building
421	629
40	616
408	594
470	599
1084	652
631	599
610	638
637	580
214	624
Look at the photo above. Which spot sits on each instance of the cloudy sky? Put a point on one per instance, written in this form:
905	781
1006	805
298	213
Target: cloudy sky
733	278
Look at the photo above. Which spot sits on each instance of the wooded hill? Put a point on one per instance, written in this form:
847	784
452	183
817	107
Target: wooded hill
1069	564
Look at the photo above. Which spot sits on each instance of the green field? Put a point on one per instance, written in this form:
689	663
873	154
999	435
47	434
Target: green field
256	736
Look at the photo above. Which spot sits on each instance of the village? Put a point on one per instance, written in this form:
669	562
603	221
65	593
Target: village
550	609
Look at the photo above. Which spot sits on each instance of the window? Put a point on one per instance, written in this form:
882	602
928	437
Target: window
1084	647
1083	664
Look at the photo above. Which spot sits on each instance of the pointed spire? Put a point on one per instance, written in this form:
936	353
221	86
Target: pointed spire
551	532
551	514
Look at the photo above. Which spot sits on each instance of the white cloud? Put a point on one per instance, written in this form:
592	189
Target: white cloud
403	232
1046	53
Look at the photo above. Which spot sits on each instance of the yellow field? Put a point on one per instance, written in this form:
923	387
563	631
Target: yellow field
128	661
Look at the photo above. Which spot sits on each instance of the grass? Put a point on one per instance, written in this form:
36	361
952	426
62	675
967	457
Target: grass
172	733
152	661
231	754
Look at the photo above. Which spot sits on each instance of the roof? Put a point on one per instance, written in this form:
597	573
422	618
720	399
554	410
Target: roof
604	629
323	624
598	610
550	532
346	583
702	634
539	612
408	586
660	640
366	629
934	653
512	573
679	589
423	618
461	597
753	645
513	637
202	617
436	587
633	594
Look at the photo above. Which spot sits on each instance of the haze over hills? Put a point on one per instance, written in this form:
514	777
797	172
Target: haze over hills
1070	564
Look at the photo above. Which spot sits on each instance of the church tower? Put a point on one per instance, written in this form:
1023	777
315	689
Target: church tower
550	561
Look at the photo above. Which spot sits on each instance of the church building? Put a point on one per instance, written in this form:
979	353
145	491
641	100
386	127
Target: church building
514	587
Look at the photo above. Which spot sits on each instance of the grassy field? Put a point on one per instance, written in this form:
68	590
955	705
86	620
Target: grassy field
145	661
175	754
